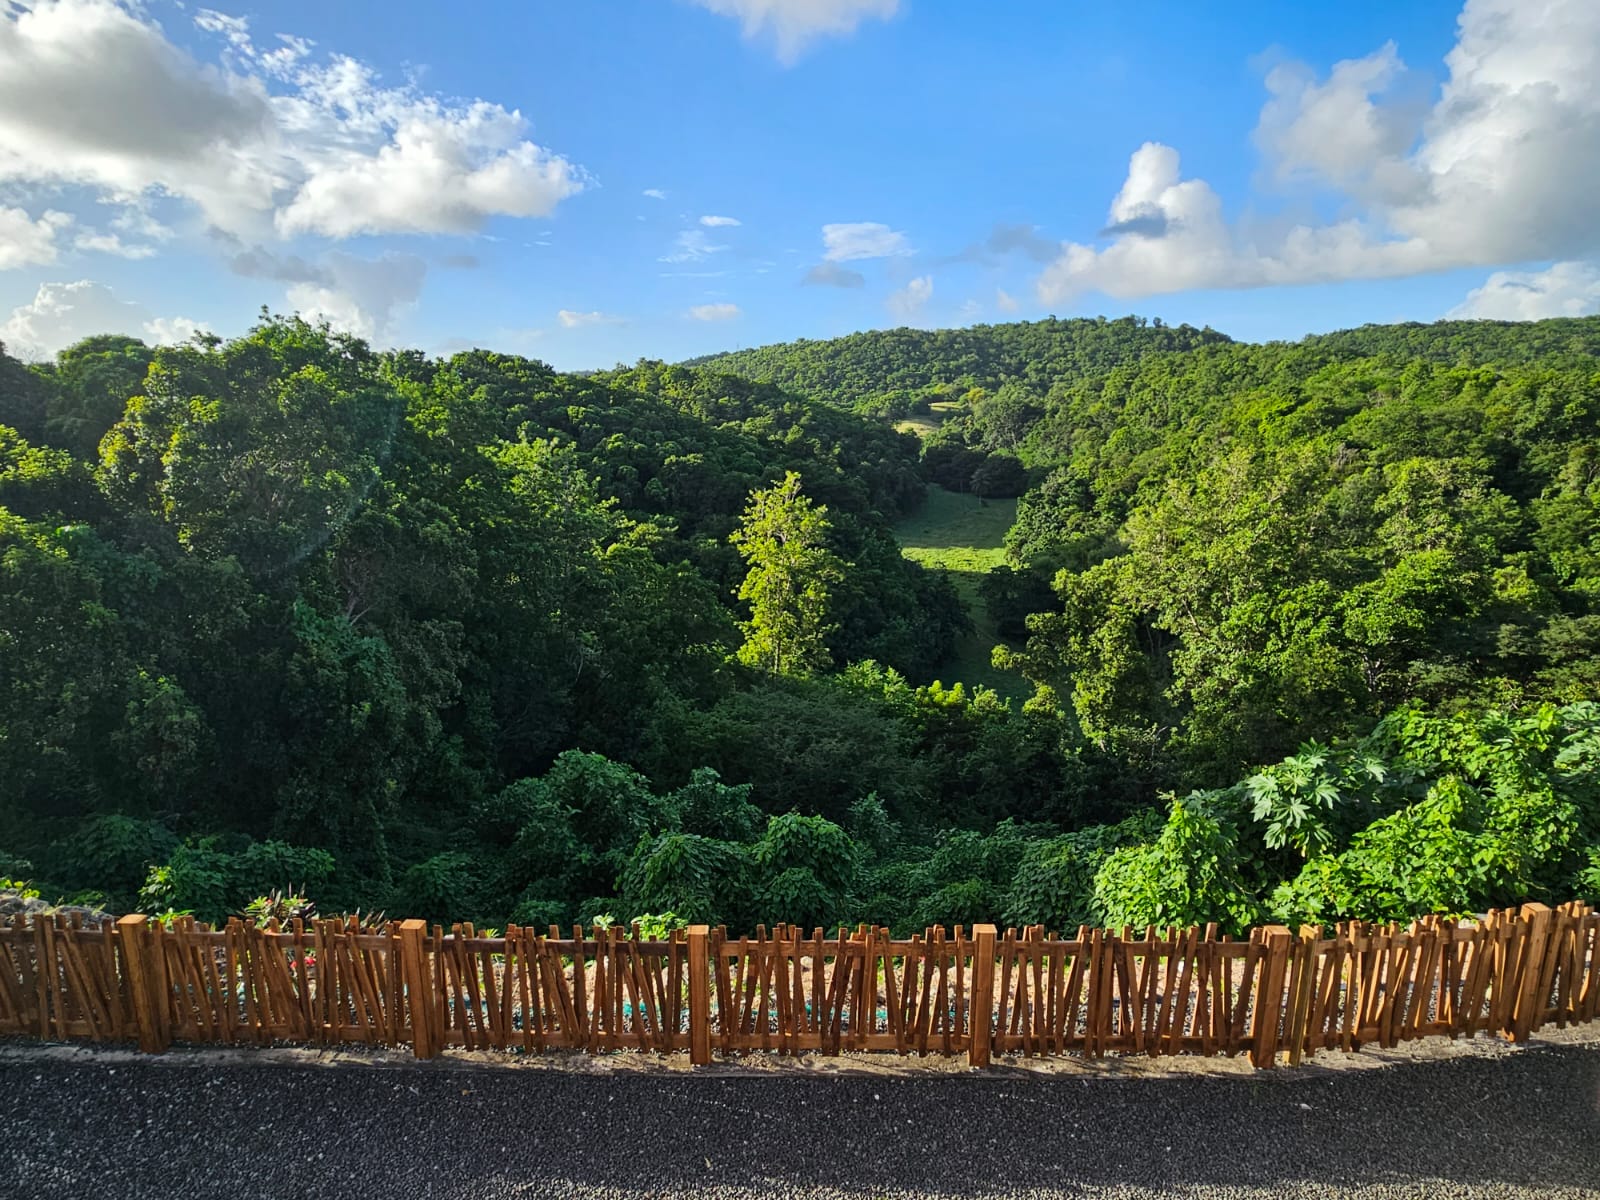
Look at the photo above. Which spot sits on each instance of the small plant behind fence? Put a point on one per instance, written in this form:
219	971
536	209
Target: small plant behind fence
974	992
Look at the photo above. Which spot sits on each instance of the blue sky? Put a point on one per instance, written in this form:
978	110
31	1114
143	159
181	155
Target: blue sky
595	182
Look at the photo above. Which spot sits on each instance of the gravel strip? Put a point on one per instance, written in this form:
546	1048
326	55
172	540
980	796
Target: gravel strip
86	1126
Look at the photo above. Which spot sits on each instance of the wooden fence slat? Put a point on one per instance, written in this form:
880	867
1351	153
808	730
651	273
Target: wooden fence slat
935	992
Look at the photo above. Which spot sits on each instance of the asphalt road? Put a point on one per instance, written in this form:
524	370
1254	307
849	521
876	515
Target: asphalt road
1523	1124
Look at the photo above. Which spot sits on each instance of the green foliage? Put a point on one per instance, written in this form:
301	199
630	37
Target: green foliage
1297	799
783	538
863	370
442	887
1258	545
1587	884
1054	884
705	880
806	871
213	880
111	851
282	905
469	628
1190	875
1497	808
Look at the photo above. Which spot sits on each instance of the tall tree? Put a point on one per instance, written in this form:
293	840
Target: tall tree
784	538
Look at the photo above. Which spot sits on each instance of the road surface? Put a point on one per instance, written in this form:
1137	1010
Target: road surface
75	1126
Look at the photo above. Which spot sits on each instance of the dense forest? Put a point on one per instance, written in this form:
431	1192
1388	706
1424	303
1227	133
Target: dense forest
1312	628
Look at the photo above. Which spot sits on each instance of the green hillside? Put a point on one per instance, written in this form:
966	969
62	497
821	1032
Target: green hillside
964	538
884	372
471	638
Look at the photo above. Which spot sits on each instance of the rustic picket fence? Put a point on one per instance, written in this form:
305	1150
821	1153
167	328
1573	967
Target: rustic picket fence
979	993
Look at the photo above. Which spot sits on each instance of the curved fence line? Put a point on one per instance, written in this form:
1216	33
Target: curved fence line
978	992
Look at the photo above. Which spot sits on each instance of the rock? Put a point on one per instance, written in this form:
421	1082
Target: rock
13	904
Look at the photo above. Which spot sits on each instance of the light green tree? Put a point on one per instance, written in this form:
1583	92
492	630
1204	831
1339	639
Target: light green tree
783	539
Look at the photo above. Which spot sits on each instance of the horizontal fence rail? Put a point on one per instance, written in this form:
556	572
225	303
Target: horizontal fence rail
1276	994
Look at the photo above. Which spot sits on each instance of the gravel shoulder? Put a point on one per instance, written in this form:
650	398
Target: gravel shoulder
1485	1120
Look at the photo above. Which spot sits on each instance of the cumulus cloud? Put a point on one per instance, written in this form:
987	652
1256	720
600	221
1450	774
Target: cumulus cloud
655	193
25	242
94	94
718	222
792	25
63	313
576	320
828	274
1501	168
111	243
1566	289
1005	301
171	330
848	241
1339	130
361	296
714	312
910	300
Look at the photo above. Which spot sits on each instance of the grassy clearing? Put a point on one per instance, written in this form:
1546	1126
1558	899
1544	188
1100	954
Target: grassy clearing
923	426
965	538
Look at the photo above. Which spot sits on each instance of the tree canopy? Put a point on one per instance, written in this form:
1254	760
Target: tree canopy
1312	628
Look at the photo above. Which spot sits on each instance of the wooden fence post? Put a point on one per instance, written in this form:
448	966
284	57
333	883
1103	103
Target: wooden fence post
425	1040
133	934
981	1010
1268	1009
699	995
1528	1006
1295	1026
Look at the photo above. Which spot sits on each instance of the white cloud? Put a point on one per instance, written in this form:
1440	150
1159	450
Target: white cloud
63	313
692	245
361	296
910	300
714	312
111	243
94	94
1501	168
1169	234
441	171
655	193
1566	289
25	242
1336	130
718	222
172	330
576	320
1005	300
862	239
794	24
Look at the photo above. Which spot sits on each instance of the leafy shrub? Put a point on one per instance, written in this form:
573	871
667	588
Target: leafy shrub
1054	883
701	878
1190	875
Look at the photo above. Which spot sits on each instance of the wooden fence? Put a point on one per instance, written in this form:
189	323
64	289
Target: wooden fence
978	993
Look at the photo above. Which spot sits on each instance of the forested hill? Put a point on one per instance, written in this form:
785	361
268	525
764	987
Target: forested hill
287	587
1241	546
894	371
1560	341
470	638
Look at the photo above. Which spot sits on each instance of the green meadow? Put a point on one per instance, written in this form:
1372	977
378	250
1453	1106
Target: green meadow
965	537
